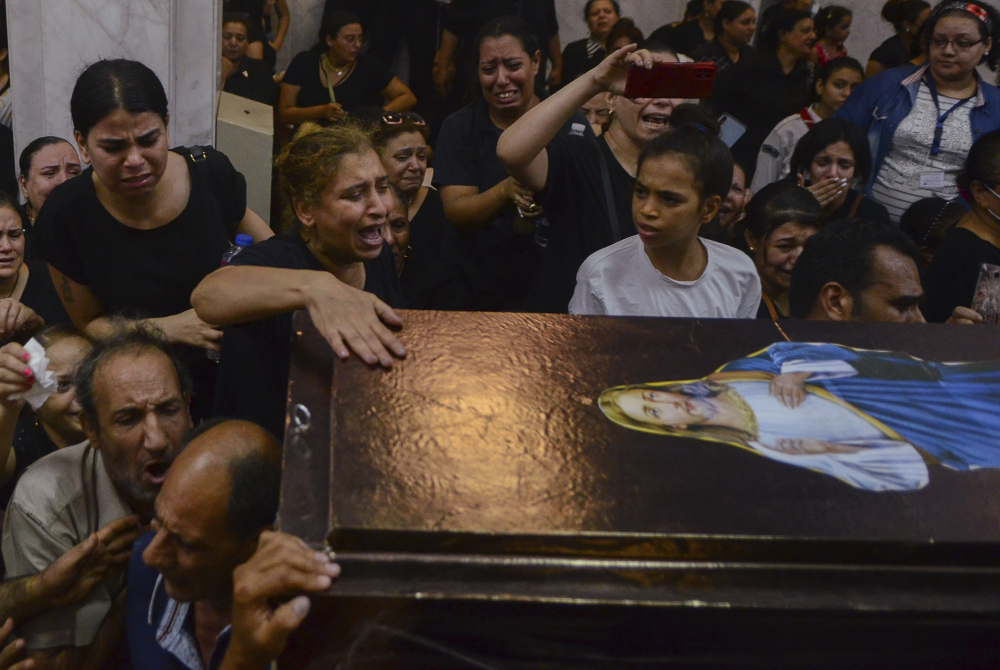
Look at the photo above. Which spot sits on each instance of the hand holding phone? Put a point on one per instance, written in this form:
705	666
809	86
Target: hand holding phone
671	80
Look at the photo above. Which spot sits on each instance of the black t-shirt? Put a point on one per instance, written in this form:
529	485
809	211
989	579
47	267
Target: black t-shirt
147	273
498	263
31	443
954	273
577	209
252	79
577	62
40	295
362	88
758	93
144	273
253	370
431	270
867	209
891	53
714	52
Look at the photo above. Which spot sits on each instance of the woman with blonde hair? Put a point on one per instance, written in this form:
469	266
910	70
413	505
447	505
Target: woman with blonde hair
333	261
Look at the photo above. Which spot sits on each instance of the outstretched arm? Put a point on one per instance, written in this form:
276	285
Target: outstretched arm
522	146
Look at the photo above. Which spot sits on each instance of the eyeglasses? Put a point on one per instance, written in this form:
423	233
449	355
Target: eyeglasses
960	44
399	118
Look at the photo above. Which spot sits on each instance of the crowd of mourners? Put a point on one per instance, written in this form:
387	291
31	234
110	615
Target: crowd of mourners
508	174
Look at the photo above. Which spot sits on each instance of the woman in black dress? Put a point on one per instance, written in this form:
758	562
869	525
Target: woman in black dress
431	277
907	18
135	233
334	78
334	261
583	55
833	161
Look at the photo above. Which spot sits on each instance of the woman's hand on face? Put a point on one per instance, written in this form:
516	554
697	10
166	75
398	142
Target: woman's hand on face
187	328
789	389
15	375
828	190
16	317
353	320
333	112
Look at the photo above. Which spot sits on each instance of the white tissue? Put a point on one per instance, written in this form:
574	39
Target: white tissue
45	381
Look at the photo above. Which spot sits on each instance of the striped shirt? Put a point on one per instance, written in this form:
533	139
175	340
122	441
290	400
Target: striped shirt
897	185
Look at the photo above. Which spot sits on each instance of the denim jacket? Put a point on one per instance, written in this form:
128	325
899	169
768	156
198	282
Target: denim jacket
881	103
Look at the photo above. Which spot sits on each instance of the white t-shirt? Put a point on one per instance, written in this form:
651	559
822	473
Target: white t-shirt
620	280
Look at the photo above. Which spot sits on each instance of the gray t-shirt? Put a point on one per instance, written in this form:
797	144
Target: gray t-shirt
620	280
58	503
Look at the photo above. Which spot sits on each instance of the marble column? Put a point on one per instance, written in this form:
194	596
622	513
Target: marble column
52	41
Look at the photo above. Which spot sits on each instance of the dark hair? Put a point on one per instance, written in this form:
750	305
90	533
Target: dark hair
237	17
695	114
333	23
7	201
127	337
784	21
590	3
928	220
828	132
383	133
730	11
833	66
779	203
514	26
693	9
655	47
898	11
36	145
624	27
708	157
829	17
944	9
983	162
843	252
401	198
110	85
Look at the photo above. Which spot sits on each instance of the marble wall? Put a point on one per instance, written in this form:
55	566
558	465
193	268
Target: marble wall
52	41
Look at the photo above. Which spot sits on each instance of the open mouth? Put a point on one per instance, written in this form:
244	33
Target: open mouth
156	471
506	96
371	235
656	121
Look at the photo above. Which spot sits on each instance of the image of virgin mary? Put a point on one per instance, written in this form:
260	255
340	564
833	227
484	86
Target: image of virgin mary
872	419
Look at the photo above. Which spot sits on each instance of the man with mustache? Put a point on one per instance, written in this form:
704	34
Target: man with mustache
135	395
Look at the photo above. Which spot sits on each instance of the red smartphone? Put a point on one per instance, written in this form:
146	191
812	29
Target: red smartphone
671	80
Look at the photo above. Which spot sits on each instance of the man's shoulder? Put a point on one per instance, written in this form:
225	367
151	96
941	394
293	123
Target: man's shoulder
53	483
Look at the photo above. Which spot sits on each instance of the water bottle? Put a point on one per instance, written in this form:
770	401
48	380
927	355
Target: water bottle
242	242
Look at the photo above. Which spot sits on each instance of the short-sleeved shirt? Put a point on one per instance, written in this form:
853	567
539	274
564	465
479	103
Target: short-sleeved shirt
362	88
498	263
252	80
147	273
577	209
159	630
714	52
621	281
954	273
253	370
59	501
891	53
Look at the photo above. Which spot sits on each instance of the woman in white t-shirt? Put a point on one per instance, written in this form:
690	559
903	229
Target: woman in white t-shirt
667	270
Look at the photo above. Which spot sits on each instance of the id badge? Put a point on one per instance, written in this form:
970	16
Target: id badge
932	179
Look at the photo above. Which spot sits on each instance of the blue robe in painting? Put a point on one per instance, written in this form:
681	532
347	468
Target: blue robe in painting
949	410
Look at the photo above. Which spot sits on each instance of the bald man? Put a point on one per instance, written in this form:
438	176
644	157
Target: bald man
218	501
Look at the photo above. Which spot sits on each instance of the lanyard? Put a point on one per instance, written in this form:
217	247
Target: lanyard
939	126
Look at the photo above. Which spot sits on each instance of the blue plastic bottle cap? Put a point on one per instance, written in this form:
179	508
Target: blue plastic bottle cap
243	240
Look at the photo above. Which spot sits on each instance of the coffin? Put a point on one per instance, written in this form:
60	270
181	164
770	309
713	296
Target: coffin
494	506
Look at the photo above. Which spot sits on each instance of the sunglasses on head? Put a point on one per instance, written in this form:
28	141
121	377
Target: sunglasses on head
398	118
